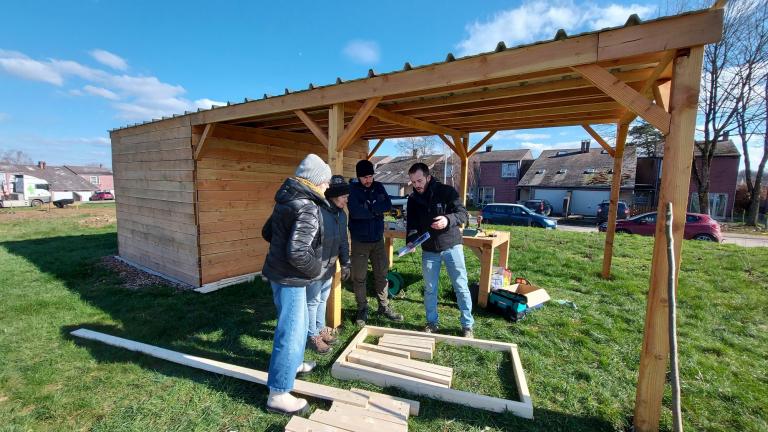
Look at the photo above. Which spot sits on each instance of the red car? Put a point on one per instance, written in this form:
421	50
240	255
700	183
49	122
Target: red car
102	195
697	226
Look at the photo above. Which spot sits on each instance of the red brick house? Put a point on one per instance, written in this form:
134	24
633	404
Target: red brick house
98	176
722	188
494	175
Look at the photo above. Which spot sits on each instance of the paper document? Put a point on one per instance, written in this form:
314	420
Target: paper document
410	248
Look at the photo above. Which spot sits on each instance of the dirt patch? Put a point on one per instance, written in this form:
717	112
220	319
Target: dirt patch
3	398
135	279
98	221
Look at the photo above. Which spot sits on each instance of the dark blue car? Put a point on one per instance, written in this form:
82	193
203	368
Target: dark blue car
515	214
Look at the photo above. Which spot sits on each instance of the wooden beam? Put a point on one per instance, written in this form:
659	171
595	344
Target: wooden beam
450	144
661	94
485	139
676	165
403	120
464	142
618	161
313	127
626	96
371	122
357	121
599	139
336	162
650	83
200	144
375	148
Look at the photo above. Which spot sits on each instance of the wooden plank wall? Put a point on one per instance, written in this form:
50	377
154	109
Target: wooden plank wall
238	172
155	197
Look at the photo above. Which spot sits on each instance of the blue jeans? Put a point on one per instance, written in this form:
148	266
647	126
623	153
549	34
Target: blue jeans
290	336
317	297
457	271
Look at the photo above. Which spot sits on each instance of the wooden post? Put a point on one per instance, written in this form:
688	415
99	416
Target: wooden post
676	166
610	232
462	145
336	161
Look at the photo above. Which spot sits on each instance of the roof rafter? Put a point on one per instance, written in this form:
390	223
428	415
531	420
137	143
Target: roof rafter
316	130
357	122
403	120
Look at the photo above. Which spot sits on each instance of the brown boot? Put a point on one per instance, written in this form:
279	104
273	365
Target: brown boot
327	335
317	345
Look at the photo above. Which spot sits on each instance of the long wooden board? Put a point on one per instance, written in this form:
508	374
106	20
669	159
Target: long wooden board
362	358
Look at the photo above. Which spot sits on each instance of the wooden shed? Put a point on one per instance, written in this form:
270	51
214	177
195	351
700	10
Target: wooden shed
194	190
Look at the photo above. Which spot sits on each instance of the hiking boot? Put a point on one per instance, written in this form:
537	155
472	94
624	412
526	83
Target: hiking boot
362	317
286	403
317	345
467	333
430	328
327	335
390	313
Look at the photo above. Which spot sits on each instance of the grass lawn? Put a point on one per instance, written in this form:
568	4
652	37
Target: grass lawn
581	363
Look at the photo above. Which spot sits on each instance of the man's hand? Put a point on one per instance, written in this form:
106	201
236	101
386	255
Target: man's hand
439	222
345	273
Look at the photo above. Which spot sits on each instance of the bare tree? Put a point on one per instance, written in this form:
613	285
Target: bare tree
15	157
416	146
729	75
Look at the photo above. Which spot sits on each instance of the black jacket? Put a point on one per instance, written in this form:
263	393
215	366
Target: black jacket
335	243
423	208
366	211
294	233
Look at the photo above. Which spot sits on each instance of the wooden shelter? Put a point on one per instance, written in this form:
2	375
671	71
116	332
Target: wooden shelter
194	190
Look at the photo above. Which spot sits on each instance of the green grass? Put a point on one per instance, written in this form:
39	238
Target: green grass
581	364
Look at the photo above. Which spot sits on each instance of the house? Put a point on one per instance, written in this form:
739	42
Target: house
59	179
494	175
392	172
98	176
722	187
576	181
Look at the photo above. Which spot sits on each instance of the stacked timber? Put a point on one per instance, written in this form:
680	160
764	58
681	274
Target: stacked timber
382	413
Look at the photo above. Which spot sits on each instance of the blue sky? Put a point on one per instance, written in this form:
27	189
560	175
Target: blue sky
70	71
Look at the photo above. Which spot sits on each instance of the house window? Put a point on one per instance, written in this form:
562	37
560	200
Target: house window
487	194
509	170
95	180
718	204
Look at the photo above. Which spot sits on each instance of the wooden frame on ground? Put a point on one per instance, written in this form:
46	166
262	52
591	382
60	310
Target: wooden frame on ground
342	369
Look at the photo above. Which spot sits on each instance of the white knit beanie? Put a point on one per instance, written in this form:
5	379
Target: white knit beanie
313	168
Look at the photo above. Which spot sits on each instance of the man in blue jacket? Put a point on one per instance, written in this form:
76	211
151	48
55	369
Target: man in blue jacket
368	201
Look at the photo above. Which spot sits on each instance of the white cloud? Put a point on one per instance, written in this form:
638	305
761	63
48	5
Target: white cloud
18	64
535	20
538	147
362	51
517	135
109	59
141	97
100	91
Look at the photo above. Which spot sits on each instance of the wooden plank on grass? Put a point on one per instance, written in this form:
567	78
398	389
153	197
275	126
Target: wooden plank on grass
350	410
384	350
414	364
381	400
318	391
362	358
300	424
355	424
418	353
416	342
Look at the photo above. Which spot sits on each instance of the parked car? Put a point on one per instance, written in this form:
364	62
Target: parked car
540	206
697	226
102	195
515	214
622	212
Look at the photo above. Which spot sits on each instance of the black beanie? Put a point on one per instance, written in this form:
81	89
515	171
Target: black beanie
337	187
364	168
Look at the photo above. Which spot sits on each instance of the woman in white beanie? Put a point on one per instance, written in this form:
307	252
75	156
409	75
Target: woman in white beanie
293	262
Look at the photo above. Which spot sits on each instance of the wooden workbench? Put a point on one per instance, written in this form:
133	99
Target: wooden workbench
482	246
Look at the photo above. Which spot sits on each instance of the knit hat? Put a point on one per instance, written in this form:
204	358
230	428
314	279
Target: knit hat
364	168
313	169
338	187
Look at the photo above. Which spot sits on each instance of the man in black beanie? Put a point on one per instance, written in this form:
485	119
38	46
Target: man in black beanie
368	201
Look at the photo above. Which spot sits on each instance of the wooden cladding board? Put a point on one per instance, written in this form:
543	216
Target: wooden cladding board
156	220
238	173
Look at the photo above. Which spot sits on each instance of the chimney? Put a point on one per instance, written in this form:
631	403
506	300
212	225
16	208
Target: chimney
585	145
415	153
726	135
41	164
489	147
101	165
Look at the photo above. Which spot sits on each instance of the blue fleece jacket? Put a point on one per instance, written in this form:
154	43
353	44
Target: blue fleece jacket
366	211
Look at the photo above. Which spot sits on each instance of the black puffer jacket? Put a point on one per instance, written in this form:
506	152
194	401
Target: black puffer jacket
294	233
335	243
438	200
